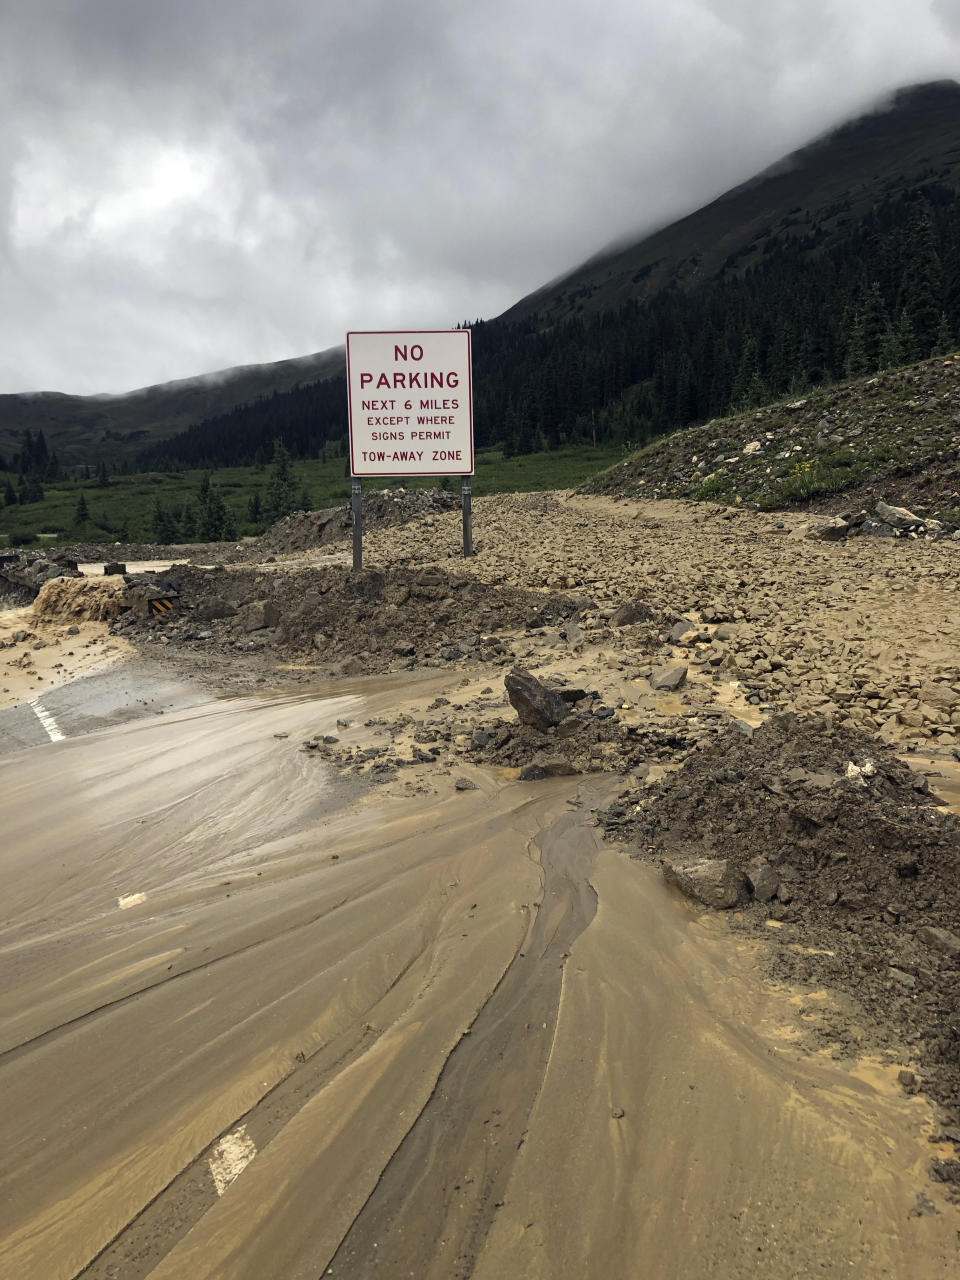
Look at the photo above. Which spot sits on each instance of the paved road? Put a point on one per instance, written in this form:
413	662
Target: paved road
111	697
250	1032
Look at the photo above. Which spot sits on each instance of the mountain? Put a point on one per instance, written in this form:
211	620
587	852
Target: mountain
913	139
842	259
91	428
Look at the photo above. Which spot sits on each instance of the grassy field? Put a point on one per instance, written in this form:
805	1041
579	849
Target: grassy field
123	510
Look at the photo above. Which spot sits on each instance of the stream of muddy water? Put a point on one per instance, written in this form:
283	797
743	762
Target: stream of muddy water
258	1024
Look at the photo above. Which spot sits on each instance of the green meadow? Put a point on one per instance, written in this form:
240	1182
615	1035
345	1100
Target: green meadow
123	509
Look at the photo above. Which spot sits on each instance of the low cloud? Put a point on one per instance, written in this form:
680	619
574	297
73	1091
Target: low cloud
195	185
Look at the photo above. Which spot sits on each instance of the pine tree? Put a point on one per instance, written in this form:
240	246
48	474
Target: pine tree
188	522
874	322
910	346
891	352
162	523
278	498
945	343
228	530
254	510
103	479
213	512
81	515
856	363
921	287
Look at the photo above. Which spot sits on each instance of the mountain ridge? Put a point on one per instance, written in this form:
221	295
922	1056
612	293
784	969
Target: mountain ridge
603	280
816	200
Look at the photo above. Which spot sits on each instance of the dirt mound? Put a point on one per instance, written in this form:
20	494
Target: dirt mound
79	600
372	621
848	845
381	509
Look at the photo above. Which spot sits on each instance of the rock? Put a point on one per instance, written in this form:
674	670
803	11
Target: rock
682	628
573	694
753	447
532	773
570	727
897	517
832	530
762	881
946	1170
906	1079
941	940
259	614
937	695
554	766
464	784
214	607
114	567
630	612
668	677
715	882
534	703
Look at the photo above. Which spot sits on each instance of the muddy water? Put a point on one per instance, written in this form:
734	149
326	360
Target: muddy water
253	1031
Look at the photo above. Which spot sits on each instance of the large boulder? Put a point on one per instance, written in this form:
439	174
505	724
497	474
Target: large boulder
835	529
632	611
214	607
534	703
669	678
762	880
259	614
941	940
897	517
714	882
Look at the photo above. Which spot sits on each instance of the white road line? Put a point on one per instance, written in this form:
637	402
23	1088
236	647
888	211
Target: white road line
230	1157
47	720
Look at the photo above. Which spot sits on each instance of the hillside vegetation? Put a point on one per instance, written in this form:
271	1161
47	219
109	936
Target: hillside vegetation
90	429
895	435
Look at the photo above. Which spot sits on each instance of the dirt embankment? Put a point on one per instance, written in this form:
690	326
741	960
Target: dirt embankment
831	837
893	435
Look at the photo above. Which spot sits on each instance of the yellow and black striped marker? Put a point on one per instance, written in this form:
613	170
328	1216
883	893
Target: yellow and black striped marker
160	606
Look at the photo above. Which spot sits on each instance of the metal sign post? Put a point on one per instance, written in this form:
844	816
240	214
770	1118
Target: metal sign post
467	516
356	509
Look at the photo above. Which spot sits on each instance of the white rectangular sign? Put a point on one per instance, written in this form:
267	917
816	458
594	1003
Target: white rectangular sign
411	403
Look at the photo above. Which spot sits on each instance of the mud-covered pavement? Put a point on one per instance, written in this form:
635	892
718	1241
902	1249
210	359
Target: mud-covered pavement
375	1006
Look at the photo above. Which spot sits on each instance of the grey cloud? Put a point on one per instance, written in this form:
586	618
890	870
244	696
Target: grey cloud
189	185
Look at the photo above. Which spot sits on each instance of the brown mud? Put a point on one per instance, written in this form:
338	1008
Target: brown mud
309	983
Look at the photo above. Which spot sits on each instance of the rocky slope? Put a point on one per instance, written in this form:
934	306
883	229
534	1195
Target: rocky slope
894	435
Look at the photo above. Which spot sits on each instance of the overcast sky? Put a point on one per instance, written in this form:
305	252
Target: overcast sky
191	184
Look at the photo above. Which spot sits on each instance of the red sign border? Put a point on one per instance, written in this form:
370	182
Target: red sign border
400	333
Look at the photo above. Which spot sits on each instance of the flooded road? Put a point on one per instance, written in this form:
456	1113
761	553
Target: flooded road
259	1024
